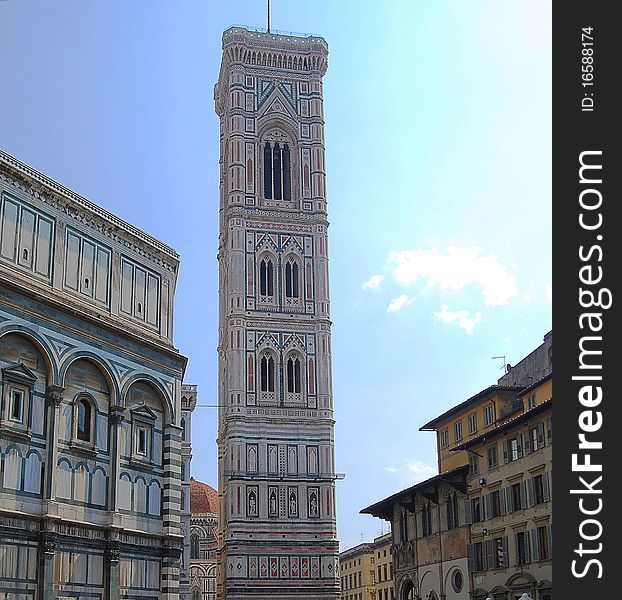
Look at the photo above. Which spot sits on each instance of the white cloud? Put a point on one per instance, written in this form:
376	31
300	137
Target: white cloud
399	303
373	283
455	269
416	470
461	318
548	288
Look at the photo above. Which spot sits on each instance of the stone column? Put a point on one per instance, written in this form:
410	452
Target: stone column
111	571
115	418
47	549
53	399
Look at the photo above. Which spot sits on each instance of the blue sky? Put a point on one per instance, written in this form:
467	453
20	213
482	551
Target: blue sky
438	129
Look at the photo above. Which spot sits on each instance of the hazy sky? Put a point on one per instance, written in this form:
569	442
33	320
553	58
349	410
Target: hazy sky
438	133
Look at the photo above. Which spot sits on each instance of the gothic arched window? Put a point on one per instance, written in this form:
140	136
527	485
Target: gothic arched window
452	512
267	373
266	277
277	182
84	420
194	547
293	375
426	520
291	279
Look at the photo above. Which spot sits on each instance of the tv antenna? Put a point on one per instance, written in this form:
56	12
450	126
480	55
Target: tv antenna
502	358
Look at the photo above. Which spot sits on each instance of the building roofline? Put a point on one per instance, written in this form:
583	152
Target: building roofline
276	36
69	195
430	425
508	424
362	547
376	508
535	384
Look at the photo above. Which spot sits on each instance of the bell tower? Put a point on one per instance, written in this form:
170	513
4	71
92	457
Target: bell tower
276	464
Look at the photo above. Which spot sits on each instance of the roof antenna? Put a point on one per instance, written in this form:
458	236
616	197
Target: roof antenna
268	16
504	363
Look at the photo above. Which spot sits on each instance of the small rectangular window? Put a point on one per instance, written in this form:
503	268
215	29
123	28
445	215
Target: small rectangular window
473	464
444	438
522	548
531	402
492	457
141	441
17	405
458	431
514	449
472	423
488	415
533	435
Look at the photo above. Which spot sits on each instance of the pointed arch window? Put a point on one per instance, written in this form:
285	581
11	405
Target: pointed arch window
267	374
293	375
277	183
292	279
266	277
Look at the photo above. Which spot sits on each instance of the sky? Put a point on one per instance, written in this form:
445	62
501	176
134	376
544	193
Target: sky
438	153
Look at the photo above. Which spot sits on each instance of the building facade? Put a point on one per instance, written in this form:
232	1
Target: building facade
485	410
357	572
429	537
90	444
275	442
510	506
482	527
203	540
383	550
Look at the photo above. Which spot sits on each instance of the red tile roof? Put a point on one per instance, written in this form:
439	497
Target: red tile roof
203	498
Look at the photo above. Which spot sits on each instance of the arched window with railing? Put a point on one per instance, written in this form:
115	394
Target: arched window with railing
292	278
267	373
293	371
266	277
277	171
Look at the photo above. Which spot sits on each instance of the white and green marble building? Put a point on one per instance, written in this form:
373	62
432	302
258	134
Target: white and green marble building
91	400
276	474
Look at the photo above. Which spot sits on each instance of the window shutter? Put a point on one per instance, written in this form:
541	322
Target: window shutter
519	441
523	494
549	430
490	554
488	505
535	545
546	489
532	491
527	548
541	435
468	511
506	453
471	558
502	500
506	556
510	499
516	550
549	535
528	443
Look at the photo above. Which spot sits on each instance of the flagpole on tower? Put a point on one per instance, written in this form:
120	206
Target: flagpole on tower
268	16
